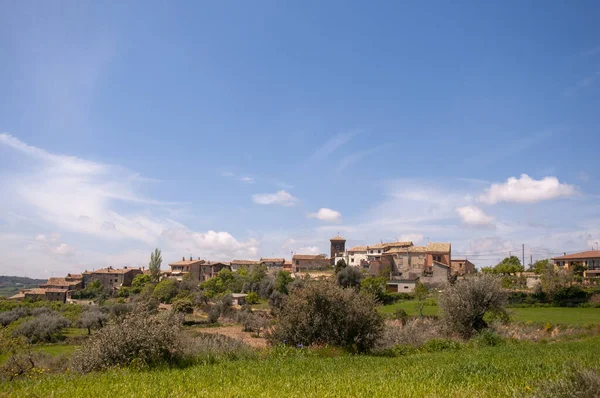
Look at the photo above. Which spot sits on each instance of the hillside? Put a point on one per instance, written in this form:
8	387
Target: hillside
10	285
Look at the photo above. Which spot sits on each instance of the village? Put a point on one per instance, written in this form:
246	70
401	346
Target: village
402	263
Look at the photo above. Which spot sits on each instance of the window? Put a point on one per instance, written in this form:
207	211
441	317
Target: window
297	262
378	251
352	260
406	287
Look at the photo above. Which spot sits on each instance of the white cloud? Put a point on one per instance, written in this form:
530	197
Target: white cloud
473	215
248	180
325	214
217	245
309	250
526	190
97	205
281	198
415	238
63	249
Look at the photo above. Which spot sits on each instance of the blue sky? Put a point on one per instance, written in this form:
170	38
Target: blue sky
239	130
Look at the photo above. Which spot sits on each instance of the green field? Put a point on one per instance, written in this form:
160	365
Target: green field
489	372
554	315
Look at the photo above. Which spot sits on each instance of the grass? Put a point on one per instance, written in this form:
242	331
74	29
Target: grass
52	349
553	315
501	371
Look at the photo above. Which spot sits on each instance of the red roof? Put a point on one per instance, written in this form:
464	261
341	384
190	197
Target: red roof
580	255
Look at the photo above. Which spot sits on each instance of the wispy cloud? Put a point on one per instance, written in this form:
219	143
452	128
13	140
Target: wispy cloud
353	158
474	216
330	146
85	198
281	198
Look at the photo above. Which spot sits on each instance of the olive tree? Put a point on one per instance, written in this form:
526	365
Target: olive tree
324	313
464	304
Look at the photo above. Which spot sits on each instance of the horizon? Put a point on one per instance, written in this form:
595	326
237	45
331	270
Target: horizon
264	129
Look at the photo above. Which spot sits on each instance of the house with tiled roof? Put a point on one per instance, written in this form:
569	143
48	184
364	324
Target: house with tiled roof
462	266
110	277
274	263
306	262
589	258
237	264
179	269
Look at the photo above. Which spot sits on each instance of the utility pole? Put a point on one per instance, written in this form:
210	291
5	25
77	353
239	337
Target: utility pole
523	254
531	260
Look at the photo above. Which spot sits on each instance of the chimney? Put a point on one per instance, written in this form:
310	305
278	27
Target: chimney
183	259
564	253
125	267
190	258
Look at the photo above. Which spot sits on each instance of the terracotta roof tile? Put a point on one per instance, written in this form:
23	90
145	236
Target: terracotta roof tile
580	255
187	262
337	238
389	244
358	249
438	247
309	257
245	262
272	260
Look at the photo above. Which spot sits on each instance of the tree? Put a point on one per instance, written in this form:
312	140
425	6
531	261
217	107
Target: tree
139	282
510	265
578	269
324	313
376	286
340	265
421	292
252	298
553	280
165	290
93	318
465	304
154	265
349	277
185	305
540	265
42	328
282	280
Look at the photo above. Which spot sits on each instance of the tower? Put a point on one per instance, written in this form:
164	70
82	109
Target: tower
338	245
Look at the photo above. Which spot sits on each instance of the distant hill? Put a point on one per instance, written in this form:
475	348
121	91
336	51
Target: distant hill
10	285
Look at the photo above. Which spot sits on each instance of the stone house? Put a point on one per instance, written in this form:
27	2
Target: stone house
179	269
462	267
273	263
210	269
237	264
305	262
111	277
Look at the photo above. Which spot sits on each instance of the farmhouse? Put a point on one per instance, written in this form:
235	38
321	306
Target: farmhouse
237	264
590	258
111	277
305	262
462	267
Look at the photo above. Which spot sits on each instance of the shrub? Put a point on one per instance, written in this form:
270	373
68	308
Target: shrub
42	328
252	298
165	290
349	277
282	280
401	315
184	305
464	305
569	296
209	348
324	313
487	338
578	383
140	340
213	314
276	302
413	333
437	345
8	317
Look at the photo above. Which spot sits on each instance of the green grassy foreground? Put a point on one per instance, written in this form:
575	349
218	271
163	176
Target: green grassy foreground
506	370
553	315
